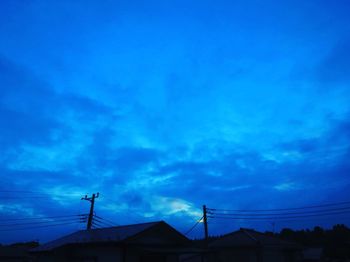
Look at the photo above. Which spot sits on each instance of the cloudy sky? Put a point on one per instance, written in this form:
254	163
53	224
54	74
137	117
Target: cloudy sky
163	106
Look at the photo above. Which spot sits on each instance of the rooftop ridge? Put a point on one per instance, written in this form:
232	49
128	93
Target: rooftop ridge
121	226
250	235
118	233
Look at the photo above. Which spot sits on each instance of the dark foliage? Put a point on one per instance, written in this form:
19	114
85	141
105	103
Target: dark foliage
335	242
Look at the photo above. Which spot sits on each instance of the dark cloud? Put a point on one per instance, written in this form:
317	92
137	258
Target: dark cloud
18	127
340	132
335	139
120	163
23	90
335	69
135	200
22	105
252	181
302	146
214	180
31	110
33	114
323	164
128	159
38	180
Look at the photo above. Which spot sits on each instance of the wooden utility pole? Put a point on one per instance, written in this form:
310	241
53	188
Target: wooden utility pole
205	222
91	214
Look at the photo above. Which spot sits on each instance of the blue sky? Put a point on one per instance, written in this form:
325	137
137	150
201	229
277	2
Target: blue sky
162	106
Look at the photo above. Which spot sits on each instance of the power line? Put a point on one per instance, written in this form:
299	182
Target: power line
110	221
284	220
39	192
280	218
44	222
34	218
95	227
26	228
193	227
97	223
279	209
282	214
105	220
20	191
27	197
104	223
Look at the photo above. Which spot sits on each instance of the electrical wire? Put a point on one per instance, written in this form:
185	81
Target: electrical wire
43	222
104	224
287	220
280	209
96	223
193	227
282	214
279	218
26	228
27	197
40	192
20	191
100	221
106	221
35	218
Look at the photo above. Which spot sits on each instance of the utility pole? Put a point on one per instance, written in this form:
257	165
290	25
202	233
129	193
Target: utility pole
205	222
91	214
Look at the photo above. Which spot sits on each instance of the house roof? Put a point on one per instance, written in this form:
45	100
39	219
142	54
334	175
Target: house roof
250	238
109	234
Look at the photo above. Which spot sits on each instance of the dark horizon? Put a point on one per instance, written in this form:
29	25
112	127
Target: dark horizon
164	106
316	237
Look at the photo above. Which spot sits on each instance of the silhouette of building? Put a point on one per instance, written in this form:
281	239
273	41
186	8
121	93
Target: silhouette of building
13	254
156	242
248	245
312	254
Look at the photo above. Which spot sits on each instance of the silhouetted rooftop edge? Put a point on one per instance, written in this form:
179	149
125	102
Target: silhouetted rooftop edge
108	234
249	237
